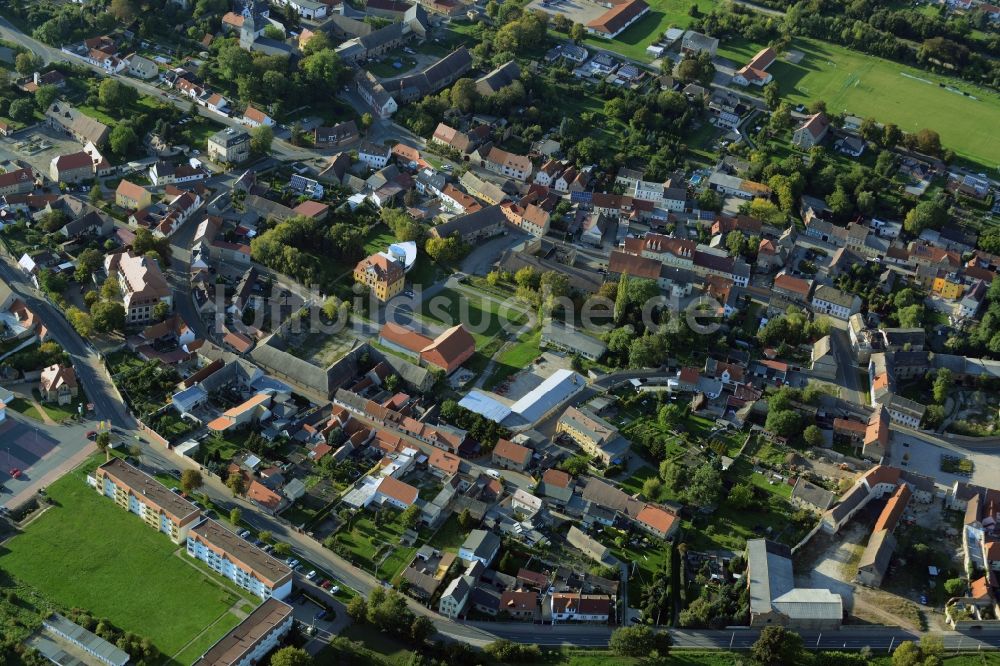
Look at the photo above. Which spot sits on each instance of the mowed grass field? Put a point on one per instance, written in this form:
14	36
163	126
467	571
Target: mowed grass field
88	553
662	14
864	86
482	317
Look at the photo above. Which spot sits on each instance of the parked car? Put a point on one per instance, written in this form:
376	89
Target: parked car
311	575
15	473
334	589
244	534
321	614
92	435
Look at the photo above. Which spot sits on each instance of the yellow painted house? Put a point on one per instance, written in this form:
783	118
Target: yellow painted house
948	286
384	276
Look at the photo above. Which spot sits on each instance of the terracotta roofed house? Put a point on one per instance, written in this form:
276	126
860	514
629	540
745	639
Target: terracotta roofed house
447	351
812	131
509	455
72	168
395	492
141	283
620	16
58	384
508	164
657	521
132	196
384	276
17	181
755	71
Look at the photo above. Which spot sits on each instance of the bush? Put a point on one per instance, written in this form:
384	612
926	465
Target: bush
509	652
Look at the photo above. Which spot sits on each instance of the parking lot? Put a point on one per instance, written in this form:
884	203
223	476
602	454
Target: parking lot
911	452
578	11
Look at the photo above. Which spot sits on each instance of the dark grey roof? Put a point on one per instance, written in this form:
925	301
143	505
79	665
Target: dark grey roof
878	552
436	76
854	498
502	76
471	223
580	279
385	35
810	493
270	354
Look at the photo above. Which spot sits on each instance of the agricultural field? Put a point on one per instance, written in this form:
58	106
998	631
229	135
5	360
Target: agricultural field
863	85
66	554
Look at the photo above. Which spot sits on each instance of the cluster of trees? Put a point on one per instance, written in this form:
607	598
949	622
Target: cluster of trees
446	250
532	286
696	69
303	248
791	329
640	642
15	105
701	487
718	606
732	20
118	99
140	649
387	611
906	308
275	80
480	428
982	338
881	35
35	358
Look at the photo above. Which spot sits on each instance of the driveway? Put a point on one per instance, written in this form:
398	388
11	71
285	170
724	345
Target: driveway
480	261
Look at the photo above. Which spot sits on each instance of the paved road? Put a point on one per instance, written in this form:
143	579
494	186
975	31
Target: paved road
49	54
847	370
90	370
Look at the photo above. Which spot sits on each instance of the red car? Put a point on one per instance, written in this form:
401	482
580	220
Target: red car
325	584
92	435
15	473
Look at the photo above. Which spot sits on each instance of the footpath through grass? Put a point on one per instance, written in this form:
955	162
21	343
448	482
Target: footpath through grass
86	552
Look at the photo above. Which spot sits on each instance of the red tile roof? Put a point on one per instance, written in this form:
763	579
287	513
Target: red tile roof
511	451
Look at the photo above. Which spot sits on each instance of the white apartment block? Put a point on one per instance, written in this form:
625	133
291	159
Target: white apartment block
240	561
253	638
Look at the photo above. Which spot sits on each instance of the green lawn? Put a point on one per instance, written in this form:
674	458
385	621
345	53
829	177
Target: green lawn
365	540
662	14
863	85
385	68
86	552
479	315
22	406
200	645
63	412
516	357
379	239
449	536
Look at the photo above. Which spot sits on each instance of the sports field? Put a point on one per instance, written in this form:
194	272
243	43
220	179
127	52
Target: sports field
864	86
88	553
